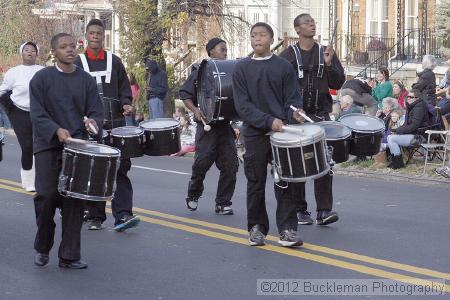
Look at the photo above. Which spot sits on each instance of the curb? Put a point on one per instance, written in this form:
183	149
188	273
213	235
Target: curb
394	177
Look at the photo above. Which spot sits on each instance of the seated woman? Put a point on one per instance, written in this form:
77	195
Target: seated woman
444	85
187	136
347	106
389	104
426	83
382	87
400	93
406	135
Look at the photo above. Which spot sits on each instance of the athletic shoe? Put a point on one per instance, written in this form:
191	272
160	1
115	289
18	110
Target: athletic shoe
325	217
127	222
224	210
304	218
289	238
95	224
443	171
256	237
192	203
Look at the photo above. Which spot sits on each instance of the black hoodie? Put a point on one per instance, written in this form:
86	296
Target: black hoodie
157	84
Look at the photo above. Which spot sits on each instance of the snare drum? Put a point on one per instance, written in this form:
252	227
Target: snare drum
128	139
89	171
215	90
162	136
300	157
338	136
367	133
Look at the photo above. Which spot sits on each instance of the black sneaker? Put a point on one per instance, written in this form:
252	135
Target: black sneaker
95	224
304	218
127	222
224	210
289	238
256	237
192	203
325	217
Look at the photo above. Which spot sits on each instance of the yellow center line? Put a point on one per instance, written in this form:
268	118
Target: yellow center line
291	252
11	182
14	189
312	247
299	254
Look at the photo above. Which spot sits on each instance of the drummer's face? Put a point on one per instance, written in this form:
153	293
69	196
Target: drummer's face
219	51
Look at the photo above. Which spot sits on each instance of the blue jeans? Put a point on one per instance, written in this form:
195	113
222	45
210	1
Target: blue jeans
394	142
130	120
4	121
156	107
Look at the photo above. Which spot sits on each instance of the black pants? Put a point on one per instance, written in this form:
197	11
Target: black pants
216	145
21	122
122	203
48	166
258	154
323	187
323	192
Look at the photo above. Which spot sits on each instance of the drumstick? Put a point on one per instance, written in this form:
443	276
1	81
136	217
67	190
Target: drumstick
206	127
302	114
79	141
91	126
293	130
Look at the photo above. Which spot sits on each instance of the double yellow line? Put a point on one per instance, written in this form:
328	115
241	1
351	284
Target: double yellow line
239	236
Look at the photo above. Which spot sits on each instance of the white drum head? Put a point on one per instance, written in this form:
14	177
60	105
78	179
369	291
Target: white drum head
159	124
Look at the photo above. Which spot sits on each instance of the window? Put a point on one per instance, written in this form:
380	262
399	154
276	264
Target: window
378	17
411	17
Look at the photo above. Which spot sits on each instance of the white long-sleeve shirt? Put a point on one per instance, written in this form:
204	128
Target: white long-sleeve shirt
17	80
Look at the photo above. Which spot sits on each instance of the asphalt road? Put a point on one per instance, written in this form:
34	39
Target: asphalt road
387	230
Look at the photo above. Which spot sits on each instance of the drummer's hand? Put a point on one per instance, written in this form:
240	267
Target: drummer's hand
296	115
198	114
88	128
328	55
277	125
127	110
63	135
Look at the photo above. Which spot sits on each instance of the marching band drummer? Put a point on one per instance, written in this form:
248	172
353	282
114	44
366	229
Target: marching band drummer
318	69
112	82
264	88
216	145
60	98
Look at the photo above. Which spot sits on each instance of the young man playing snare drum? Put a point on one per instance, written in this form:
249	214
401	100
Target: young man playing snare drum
60	98
264	88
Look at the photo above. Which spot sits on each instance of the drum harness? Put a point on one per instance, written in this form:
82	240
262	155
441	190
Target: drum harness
310	79
98	78
219	98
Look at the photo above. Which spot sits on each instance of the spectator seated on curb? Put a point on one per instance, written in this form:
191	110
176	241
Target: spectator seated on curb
400	93
187	136
444	85
382	87
180	112
426	83
444	103
361	93
347	106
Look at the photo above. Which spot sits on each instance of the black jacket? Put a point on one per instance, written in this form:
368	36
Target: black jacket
426	85
416	117
358	86
157	84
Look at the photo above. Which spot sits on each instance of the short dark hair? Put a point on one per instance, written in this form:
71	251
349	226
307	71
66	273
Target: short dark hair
383	70
56	37
265	25
95	22
297	19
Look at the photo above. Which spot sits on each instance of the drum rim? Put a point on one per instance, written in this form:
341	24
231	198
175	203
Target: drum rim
159	128
314	138
362	130
304	179
79	151
127	136
342	138
85	197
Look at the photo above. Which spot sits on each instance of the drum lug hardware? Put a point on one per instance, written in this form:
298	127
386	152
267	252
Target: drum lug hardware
218	99
152	137
219	74
173	135
123	141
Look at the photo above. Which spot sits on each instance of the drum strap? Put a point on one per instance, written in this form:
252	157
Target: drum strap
99	74
300	66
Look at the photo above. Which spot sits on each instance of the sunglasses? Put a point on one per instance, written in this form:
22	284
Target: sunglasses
412	97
